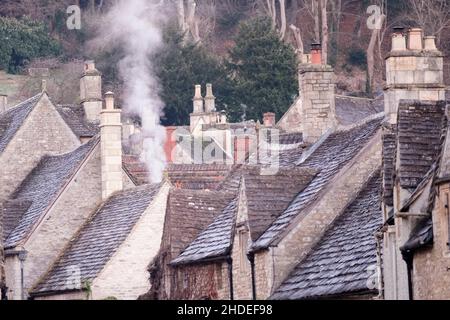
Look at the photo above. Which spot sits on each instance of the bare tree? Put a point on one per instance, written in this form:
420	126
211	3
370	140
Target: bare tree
324	16
298	41
375	38
432	15
276	10
187	19
316	15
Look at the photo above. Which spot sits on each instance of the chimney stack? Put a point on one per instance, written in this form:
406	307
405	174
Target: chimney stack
210	100
91	92
198	99
170	144
316	53
414	73
223	117
3	102
111	147
415	39
316	108
269	119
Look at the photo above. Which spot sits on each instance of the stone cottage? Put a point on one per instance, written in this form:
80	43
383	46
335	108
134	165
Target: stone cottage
56	198
108	257
413	140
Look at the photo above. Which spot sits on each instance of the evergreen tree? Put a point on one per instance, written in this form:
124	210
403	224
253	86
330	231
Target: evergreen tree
180	66
264	68
23	40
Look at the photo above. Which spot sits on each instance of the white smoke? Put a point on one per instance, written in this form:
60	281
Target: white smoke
134	25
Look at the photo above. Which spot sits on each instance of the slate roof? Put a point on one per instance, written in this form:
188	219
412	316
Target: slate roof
13	210
136	169
212	242
197	176
188	213
12	119
419	137
42	185
350	110
339	263
99	238
75	118
328	158
267	197
185	176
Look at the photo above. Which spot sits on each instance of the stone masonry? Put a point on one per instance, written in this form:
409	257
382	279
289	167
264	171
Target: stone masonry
43	132
317	100
111	147
277	262
412	73
431	276
125	276
91	92
59	225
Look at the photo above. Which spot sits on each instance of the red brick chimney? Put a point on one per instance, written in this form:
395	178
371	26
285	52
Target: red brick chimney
316	53
241	148
269	119
170	143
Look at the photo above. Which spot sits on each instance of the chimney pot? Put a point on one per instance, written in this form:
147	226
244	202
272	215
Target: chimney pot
316	53
3	102
198	99
209	91
269	119
210	100
89	65
223	117
430	43
109	100
198	91
415	39
398	41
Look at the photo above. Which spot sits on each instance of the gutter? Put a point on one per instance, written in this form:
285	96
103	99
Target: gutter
408	257
230	276
251	258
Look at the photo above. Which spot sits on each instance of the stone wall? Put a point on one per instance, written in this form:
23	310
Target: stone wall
126	276
43	132
12	272
264	275
242	272
412	75
431	275
68	213
208	281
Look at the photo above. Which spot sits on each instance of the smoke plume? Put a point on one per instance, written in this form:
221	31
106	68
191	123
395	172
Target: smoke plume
134	25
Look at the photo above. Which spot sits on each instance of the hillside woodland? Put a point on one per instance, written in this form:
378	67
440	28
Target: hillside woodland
248	49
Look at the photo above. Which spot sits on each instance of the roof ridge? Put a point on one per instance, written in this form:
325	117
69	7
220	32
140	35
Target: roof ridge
376	116
22	103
